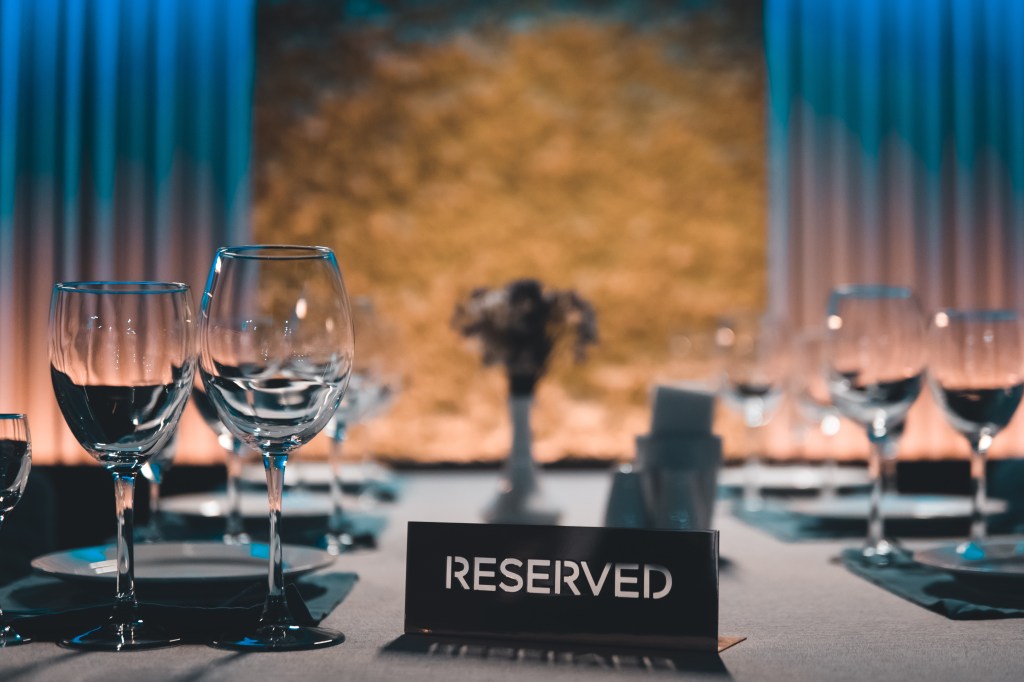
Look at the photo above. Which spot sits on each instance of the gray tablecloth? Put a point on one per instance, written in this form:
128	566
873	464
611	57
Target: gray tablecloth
805	616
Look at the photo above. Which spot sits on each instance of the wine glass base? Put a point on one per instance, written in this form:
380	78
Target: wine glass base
112	636
883	553
337	543
8	637
282	638
236	539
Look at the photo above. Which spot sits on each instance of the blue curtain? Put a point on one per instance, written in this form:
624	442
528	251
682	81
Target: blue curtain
896	154
124	154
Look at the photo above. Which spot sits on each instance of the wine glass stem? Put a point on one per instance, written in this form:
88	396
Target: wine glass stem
337	519
274	465
876	466
125	605
752	499
234	527
3	619
979	453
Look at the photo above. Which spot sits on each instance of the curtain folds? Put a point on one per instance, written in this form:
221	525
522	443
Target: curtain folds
124	154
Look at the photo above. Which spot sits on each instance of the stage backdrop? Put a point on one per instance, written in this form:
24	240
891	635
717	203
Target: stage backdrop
896	155
124	154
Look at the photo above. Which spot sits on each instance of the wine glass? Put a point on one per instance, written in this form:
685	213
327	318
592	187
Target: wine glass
276	352
15	463
370	391
235	456
814	406
751	349
875	352
338	537
122	359
976	373
153	471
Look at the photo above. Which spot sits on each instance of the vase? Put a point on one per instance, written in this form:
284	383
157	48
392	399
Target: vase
520	498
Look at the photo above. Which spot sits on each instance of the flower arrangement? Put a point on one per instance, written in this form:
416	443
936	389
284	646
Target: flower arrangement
520	325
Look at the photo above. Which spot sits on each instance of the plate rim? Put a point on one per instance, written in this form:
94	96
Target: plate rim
966	570
317	559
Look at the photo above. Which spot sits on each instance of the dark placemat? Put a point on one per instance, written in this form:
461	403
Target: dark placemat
47	608
938	590
786	526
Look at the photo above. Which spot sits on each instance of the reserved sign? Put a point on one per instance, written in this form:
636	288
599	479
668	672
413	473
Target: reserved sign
607	586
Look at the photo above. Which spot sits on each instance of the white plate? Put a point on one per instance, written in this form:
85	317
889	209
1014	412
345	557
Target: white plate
894	507
253	505
181	562
1003	558
796	478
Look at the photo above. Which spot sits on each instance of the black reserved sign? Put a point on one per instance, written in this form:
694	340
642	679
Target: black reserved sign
606	586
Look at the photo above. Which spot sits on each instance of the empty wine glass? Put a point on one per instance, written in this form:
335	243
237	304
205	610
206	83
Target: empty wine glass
15	463
875	351
235	455
153	471
276	352
814	406
122	359
752	352
370	391
976	373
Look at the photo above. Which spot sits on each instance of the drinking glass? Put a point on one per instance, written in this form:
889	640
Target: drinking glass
370	392
235	455
752	352
122	359
813	403
153	471
875	351
976	373
276	352
15	463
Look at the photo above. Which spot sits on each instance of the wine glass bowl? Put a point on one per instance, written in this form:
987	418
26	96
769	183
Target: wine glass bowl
276	353
976	374
875	349
15	464
122	359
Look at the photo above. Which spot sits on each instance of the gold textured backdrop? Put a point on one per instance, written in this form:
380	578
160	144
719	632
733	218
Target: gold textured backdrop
620	155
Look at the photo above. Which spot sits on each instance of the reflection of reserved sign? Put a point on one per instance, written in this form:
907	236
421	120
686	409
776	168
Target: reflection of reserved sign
564	584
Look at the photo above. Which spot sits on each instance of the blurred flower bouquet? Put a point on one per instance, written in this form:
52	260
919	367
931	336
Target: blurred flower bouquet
520	326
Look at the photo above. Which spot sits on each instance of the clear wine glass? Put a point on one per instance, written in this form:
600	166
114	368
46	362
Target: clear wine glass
236	454
875	350
814	406
122	359
752	352
15	463
976	373
276	352
338	537
368	394
153	471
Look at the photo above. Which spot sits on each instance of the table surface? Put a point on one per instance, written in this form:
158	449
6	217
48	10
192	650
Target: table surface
805	618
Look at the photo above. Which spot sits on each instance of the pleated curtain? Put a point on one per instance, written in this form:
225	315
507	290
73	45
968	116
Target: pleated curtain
896	155
124	154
